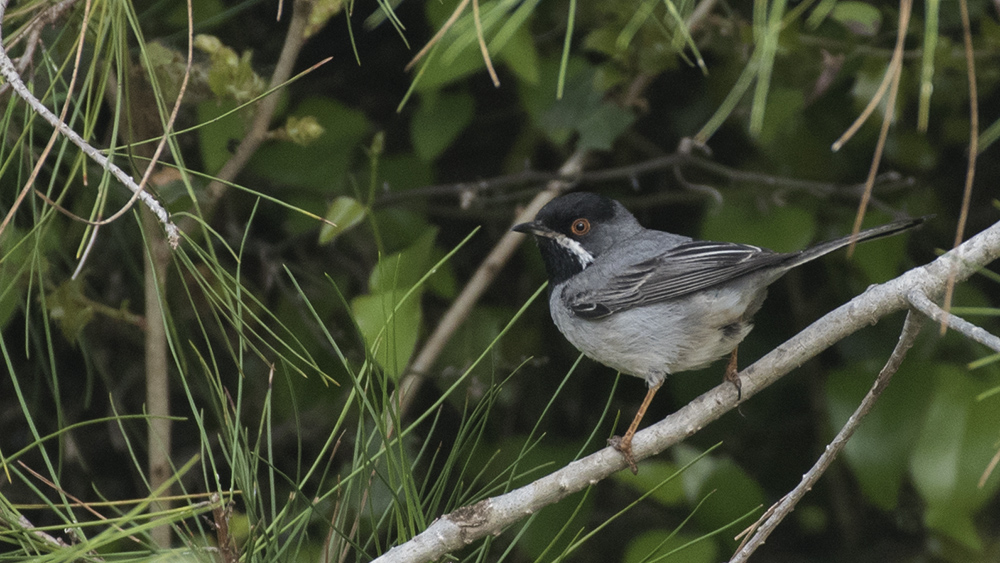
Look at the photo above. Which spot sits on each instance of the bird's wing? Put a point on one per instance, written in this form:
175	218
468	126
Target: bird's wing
679	271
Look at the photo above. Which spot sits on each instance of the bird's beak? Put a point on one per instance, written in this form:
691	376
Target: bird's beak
534	228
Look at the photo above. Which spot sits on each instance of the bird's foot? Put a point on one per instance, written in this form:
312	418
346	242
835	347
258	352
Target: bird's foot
625	448
732	375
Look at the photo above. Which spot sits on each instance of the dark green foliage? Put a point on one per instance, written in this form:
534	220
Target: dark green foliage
297	300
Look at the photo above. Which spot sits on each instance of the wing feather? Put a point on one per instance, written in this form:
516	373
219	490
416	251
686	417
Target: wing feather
680	271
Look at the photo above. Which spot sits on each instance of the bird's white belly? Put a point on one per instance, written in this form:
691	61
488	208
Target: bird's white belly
654	340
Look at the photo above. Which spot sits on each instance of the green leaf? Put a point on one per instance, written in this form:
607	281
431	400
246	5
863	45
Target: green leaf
218	139
860	18
390	317
733	492
404	268
201	11
784	112
955	446
390	325
602	127
230	76
300	130
443	282
520	56
783	229
458	54
396	226
582	109
404	171
320	14
323	164
438	121
169	66
344	213
70	308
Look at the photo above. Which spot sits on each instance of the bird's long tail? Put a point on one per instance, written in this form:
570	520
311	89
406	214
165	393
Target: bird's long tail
886	230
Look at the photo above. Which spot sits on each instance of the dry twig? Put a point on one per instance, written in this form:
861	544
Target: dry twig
767	523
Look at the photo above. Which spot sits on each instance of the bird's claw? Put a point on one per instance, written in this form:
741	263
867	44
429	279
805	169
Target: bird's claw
734	378
625	448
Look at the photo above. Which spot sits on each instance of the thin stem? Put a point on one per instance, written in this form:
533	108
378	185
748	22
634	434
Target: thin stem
784	507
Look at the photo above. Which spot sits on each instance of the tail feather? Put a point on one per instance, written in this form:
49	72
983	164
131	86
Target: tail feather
886	230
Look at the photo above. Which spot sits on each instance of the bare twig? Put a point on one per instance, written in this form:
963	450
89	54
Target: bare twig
922	303
43	157
33	31
89	507
784	507
468	191
493	515
970	172
10	73
152	161
54	542
222	512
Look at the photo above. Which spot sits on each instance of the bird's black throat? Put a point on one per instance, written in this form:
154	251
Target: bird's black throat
560	262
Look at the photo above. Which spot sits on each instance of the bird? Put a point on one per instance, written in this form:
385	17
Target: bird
649	303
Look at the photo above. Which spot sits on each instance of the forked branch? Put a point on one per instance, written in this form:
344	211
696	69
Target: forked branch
491	516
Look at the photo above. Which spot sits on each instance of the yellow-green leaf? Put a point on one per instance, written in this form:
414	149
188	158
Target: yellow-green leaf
344	213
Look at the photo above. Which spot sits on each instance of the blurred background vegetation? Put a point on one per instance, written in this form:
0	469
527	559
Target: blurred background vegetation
328	225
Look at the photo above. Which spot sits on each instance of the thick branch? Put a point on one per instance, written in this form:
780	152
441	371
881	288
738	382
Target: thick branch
493	515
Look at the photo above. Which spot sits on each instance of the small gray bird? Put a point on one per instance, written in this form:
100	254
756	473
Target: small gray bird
649	303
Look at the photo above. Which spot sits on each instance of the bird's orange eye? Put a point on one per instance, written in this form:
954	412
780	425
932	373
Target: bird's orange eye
580	227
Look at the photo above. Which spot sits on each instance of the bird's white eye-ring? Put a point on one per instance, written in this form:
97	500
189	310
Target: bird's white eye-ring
580	227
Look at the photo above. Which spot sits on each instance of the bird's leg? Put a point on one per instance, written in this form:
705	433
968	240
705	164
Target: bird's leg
624	444
732	374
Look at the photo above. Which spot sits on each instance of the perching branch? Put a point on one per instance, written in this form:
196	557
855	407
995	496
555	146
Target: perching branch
491	516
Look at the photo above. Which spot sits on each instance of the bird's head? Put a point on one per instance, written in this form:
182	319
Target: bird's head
575	229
